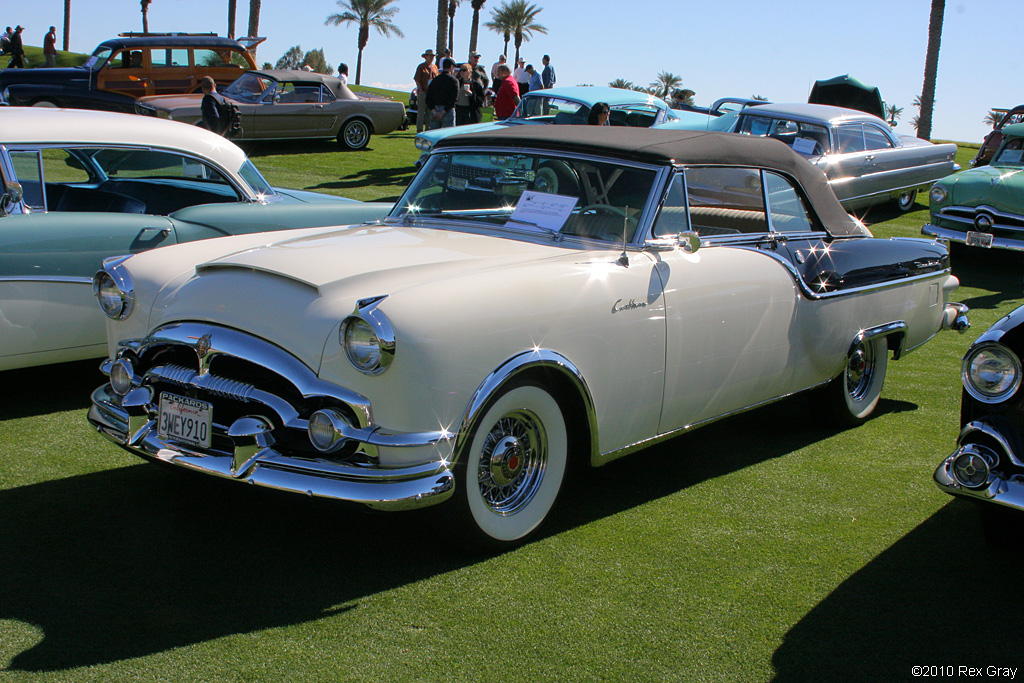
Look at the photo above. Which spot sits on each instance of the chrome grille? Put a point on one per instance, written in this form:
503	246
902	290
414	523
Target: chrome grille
218	386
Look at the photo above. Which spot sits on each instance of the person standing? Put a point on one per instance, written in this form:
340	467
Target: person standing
535	80
50	47
425	72
343	73
441	95
478	69
507	99
494	67
17	50
521	78
548	74
471	96
5	41
212	106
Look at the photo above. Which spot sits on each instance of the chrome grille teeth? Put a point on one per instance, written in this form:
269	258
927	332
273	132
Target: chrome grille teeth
219	386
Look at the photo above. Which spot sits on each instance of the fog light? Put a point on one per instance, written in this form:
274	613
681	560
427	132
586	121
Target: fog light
121	375
970	468
326	429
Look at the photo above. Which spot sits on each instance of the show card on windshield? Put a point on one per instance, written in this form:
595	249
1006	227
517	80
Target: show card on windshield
548	211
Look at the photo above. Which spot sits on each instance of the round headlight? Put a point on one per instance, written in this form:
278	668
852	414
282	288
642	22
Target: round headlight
423	145
108	295
991	373
938	194
361	345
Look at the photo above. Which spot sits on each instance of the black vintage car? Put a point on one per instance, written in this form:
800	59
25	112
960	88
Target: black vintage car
128	67
988	464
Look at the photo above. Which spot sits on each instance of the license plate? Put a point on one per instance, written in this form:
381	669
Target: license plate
979	239
185	420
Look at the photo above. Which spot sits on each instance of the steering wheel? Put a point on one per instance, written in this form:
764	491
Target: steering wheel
602	231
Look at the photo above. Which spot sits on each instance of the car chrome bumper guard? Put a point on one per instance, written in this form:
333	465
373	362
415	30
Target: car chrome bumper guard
995	487
127	423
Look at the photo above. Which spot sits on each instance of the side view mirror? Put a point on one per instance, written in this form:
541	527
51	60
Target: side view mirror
687	241
11	196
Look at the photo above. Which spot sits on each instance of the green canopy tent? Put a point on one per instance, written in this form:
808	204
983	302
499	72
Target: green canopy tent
847	91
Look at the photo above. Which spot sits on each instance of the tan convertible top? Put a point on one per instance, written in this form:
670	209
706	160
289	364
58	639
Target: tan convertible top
692	148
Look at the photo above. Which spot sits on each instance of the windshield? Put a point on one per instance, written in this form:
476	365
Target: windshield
805	138
1011	153
257	182
544	109
535	192
98	58
249	87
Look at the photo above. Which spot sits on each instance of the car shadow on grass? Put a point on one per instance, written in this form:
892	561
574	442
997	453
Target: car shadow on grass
940	596
48	389
142	559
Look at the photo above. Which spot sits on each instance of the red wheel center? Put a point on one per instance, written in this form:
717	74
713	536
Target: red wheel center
513	463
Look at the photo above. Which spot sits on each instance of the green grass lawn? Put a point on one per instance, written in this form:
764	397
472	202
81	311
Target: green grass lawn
764	547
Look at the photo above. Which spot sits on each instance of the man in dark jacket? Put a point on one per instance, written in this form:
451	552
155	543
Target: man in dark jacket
441	95
17	51
213	107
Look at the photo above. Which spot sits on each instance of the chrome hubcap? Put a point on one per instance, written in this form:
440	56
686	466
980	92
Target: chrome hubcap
512	462
859	371
356	135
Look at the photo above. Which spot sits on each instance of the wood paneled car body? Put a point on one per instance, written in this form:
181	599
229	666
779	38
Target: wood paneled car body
539	294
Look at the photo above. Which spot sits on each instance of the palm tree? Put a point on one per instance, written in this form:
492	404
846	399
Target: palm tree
254	22
442	26
367	14
621	83
992	118
665	83
499	23
452	6
893	113
522	22
67	24
931	68
145	15
232	10
477	6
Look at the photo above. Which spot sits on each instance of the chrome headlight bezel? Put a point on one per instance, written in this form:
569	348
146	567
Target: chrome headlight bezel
114	289
938	194
1003	367
423	145
368	338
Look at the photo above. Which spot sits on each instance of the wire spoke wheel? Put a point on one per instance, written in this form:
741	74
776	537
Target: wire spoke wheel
854	394
512	471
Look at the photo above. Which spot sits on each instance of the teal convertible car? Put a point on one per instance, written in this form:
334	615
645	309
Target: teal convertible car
571	105
79	186
983	206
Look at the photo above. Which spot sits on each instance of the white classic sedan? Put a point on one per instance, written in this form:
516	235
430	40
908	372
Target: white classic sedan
537	296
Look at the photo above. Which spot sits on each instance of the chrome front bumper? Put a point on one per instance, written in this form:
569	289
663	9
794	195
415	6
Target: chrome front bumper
995	487
130	423
960	236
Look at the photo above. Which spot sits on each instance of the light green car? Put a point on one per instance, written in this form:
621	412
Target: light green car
79	186
983	206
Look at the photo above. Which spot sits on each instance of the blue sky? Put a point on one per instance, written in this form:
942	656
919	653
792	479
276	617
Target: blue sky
723	48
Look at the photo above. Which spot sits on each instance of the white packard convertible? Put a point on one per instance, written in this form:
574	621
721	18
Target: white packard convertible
536	296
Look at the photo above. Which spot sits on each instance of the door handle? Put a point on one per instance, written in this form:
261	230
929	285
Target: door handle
153	229
870	157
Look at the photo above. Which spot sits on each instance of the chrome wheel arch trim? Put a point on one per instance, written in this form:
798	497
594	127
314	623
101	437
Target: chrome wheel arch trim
515	366
896	328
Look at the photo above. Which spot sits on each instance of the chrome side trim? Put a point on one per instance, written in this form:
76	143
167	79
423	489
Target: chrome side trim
46	278
814	296
605	458
527	360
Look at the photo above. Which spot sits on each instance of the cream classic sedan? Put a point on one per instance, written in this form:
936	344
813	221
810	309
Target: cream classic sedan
538	296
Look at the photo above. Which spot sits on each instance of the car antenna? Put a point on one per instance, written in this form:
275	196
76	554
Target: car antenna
624	257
